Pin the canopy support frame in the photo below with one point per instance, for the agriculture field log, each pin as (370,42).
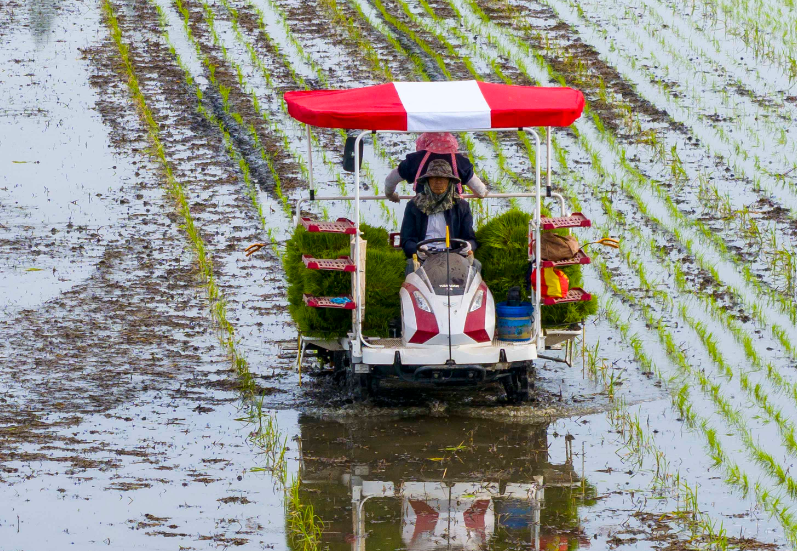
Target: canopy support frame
(357,342)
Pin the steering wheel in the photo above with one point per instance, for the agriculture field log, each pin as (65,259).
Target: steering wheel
(459,246)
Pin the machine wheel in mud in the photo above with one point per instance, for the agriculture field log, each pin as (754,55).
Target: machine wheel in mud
(362,385)
(519,385)
(340,366)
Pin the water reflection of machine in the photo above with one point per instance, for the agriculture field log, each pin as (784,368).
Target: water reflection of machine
(438,483)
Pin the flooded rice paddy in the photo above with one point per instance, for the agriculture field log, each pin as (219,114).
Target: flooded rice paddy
(149,397)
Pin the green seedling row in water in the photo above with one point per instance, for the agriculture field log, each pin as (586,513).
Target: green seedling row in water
(267,436)
(224,92)
(320,73)
(680,398)
(709,388)
(218,304)
(304,527)
(769,295)
(258,62)
(785,427)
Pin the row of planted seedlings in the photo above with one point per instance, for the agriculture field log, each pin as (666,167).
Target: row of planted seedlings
(280,140)
(687,238)
(750,129)
(176,190)
(708,528)
(257,66)
(304,527)
(755,391)
(767,28)
(303,524)
(267,433)
(758,454)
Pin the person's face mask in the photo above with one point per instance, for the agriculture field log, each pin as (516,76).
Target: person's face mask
(438,185)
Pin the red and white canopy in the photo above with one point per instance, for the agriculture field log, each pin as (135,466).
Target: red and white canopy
(436,106)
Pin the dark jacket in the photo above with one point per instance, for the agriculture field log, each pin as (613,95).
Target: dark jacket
(413,227)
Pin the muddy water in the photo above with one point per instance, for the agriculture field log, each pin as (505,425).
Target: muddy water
(440,483)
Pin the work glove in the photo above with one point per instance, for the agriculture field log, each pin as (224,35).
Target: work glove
(394,197)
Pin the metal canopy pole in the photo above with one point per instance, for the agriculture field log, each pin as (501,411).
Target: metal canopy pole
(538,247)
(548,164)
(356,351)
(310,163)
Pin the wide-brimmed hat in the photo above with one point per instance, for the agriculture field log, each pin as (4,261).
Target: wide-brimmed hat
(438,168)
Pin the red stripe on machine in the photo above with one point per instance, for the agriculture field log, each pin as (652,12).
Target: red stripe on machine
(425,322)
(476,320)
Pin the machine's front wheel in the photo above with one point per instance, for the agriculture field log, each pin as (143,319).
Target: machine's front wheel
(362,385)
(519,385)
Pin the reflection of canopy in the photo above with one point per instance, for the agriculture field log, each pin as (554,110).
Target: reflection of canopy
(436,106)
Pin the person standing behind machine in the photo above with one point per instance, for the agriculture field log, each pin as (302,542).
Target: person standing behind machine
(437,205)
(429,147)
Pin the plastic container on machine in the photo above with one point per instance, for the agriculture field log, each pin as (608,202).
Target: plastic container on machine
(514,323)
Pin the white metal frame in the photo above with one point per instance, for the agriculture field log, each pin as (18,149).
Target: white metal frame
(357,342)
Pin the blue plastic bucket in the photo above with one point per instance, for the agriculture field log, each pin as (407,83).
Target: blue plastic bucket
(514,323)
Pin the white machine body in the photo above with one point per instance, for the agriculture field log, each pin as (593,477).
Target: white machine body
(425,316)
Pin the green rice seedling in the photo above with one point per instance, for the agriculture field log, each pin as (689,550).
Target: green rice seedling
(304,527)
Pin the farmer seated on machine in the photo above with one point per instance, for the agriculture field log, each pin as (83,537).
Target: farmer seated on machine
(432,146)
(437,205)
